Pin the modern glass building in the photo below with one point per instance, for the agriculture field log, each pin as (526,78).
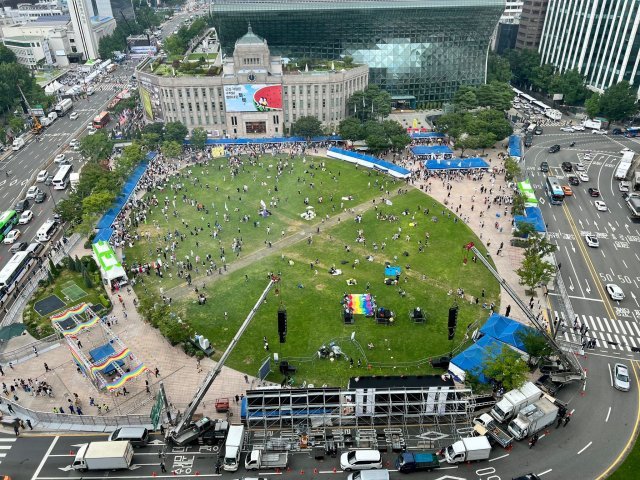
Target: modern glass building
(418,50)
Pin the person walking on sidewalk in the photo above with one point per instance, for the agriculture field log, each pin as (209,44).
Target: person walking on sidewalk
(533,441)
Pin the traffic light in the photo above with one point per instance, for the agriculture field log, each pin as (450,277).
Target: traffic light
(453,321)
(282,324)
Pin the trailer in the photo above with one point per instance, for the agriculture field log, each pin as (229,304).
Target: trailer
(487,426)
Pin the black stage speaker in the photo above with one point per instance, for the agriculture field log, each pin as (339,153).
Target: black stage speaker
(453,321)
(282,324)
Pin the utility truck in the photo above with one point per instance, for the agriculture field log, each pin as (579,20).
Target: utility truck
(103,456)
(515,400)
(468,449)
(486,425)
(63,107)
(534,418)
(259,459)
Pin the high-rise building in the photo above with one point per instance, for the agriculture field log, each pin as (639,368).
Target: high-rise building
(90,23)
(418,50)
(504,37)
(531,23)
(600,38)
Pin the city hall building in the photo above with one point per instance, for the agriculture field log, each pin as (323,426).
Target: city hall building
(250,92)
(420,51)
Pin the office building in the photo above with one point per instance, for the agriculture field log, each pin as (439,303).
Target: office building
(600,38)
(531,23)
(420,51)
(250,92)
(32,52)
(91,24)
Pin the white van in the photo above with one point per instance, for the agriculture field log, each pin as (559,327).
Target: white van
(233,447)
(46,231)
(369,475)
(360,460)
(17,144)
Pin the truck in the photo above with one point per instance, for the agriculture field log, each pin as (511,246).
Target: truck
(468,449)
(63,107)
(593,124)
(417,462)
(534,418)
(515,400)
(17,144)
(622,170)
(233,447)
(53,116)
(259,459)
(45,122)
(486,425)
(553,114)
(197,429)
(103,456)
(74,180)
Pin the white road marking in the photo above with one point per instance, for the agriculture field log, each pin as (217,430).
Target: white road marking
(586,446)
(608,413)
(610,375)
(545,472)
(498,458)
(44,458)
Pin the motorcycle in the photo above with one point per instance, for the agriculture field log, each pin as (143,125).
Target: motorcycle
(572,144)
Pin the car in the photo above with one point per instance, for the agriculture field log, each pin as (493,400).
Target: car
(567,167)
(92,131)
(587,157)
(74,116)
(59,158)
(600,206)
(621,379)
(554,148)
(40,197)
(49,180)
(25,217)
(583,177)
(579,167)
(12,236)
(566,189)
(73,143)
(594,192)
(616,131)
(32,192)
(599,132)
(614,291)
(624,186)
(42,176)
(578,128)
(592,241)
(573,180)
(544,167)
(568,129)
(21,206)
(625,150)
(528,476)
(361,460)
(18,247)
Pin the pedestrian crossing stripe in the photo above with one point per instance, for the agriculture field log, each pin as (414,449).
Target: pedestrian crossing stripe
(3,453)
(613,334)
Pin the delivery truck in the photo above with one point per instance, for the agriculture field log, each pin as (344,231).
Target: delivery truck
(417,462)
(63,107)
(534,418)
(468,449)
(486,425)
(259,459)
(233,447)
(17,144)
(515,400)
(103,456)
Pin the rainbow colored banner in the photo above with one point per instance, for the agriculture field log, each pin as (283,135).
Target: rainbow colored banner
(361,304)
(78,309)
(80,362)
(125,378)
(111,358)
(81,326)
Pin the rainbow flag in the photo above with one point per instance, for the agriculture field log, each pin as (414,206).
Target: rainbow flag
(140,369)
(361,304)
(111,358)
(78,309)
(81,326)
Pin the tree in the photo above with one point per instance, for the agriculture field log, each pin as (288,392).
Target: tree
(155,127)
(618,102)
(151,140)
(465,99)
(7,55)
(97,202)
(171,149)
(351,129)
(572,85)
(507,368)
(371,103)
(511,169)
(87,279)
(592,105)
(495,95)
(307,127)
(198,138)
(540,245)
(535,345)
(498,68)
(52,268)
(534,270)
(96,147)
(517,208)
(176,132)
(523,65)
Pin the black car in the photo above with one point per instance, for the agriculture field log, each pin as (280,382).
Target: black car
(18,247)
(594,192)
(538,130)
(544,167)
(40,197)
(554,148)
(22,205)
(567,167)
(573,180)
(616,131)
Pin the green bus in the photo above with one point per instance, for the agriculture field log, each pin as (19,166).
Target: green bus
(7,220)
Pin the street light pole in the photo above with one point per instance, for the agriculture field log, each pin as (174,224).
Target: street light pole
(55,205)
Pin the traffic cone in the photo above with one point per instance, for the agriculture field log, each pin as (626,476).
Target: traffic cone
(301,472)
(335,470)
(154,474)
(315,471)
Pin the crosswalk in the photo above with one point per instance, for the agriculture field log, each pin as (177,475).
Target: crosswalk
(5,446)
(610,334)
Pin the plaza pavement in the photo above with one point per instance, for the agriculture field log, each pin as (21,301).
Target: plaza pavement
(179,372)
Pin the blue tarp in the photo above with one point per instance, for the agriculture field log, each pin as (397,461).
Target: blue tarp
(473,358)
(392,271)
(376,163)
(104,225)
(505,330)
(532,215)
(456,164)
(100,353)
(431,150)
(249,141)
(427,135)
(515,146)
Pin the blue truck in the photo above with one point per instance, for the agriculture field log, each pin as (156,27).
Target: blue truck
(417,462)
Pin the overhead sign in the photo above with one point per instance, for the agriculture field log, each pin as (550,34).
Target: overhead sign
(252,98)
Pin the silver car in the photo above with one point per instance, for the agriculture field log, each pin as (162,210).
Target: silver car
(621,380)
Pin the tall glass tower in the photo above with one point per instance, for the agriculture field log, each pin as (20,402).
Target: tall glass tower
(419,49)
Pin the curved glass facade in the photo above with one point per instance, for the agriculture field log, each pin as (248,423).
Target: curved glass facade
(425,49)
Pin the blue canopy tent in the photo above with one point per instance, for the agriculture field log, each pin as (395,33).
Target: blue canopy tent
(473,358)
(427,135)
(432,152)
(505,330)
(369,162)
(532,215)
(456,164)
(515,146)
(254,141)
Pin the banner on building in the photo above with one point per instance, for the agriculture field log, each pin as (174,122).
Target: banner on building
(252,98)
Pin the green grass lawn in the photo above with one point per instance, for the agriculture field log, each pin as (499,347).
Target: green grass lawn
(313,300)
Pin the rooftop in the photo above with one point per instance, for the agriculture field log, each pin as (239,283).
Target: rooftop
(53,19)
(250,38)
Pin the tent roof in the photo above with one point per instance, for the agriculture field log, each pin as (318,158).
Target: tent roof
(505,330)
(456,164)
(473,358)
(430,149)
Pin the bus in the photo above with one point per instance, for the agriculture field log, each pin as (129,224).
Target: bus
(14,271)
(632,132)
(62,177)
(554,191)
(7,220)
(100,121)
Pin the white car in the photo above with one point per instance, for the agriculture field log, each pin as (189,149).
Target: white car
(92,131)
(583,177)
(587,156)
(74,116)
(32,192)
(621,379)
(599,132)
(42,176)
(614,291)
(578,167)
(73,143)
(11,237)
(567,129)
(592,241)
(59,158)
(600,206)
(26,217)
(578,128)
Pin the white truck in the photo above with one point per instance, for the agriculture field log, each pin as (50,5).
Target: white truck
(64,106)
(17,144)
(233,447)
(553,114)
(259,459)
(486,425)
(593,124)
(74,180)
(53,116)
(515,400)
(468,449)
(45,122)
(534,418)
(103,456)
